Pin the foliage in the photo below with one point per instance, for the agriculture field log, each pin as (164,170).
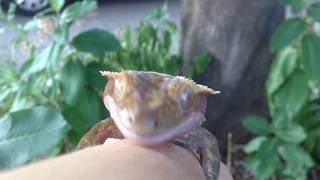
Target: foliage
(288,146)
(54,95)
(148,47)
(24,128)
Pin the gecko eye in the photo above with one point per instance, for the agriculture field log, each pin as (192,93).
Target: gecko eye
(184,100)
(119,88)
(109,87)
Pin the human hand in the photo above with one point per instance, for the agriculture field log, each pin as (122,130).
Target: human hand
(120,160)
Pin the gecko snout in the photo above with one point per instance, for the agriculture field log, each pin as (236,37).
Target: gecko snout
(144,124)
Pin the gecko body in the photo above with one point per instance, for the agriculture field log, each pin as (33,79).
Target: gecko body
(150,108)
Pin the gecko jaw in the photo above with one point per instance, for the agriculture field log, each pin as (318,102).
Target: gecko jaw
(193,120)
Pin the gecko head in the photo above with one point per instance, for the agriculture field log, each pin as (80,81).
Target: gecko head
(150,108)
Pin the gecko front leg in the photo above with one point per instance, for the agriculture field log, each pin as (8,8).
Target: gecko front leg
(204,145)
(99,133)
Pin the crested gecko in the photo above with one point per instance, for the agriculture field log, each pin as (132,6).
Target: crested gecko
(150,108)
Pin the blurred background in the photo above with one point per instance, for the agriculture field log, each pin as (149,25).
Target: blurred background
(262,55)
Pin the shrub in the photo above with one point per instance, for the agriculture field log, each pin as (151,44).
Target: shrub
(288,146)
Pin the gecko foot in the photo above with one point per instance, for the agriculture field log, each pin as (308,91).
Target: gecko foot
(204,145)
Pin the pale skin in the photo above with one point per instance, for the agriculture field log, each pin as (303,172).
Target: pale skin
(120,160)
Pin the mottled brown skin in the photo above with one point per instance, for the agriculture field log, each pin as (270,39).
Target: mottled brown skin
(149,108)
(99,133)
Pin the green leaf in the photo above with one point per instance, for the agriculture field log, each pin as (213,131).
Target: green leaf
(294,171)
(5,94)
(128,59)
(147,35)
(254,144)
(56,4)
(24,69)
(314,134)
(292,95)
(286,33)
(94,77)
(310,55)
(317,151)
(201,62)
(72,81)
(268,149)
(171,26)
(268,168)
(158,13)
(77,9)
(256,125)
(43,13)
(281,69)
(96,41)
(167,40)
(21,102)
(296,5)
(293,134)
(173,64)
(60,35)
(30,25)
(268,157)
(75,120)
(90,107)
(28,134)
(251,163)
(127,38)
(8,72)
(11,12)
(314,11)
(296,155)
(47,58)
(83,114)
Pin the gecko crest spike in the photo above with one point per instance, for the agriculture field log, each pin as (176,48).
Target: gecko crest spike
(199,88)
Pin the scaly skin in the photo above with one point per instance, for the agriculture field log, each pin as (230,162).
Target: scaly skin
(149,108)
